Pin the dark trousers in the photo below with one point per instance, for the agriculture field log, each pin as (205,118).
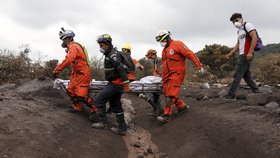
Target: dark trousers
(242,71)
(111,93)
(154,100)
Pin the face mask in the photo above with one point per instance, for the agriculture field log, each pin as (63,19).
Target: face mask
(102,50)
(237,24)
(163,44)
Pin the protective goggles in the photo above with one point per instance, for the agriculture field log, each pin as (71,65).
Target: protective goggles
(161,38)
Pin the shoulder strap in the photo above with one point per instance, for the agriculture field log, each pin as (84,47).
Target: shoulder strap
(84,51)
(246,30)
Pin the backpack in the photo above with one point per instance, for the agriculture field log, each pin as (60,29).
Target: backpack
(127,61)
(259,40)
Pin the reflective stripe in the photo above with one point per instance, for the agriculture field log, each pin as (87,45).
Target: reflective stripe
(138,65)
(109,69)
(127,81)
(113,55)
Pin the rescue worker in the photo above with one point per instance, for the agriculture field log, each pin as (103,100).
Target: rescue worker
(174,54)
(153,98)
(116,75)
(152,55)
(131,75)
(80,77)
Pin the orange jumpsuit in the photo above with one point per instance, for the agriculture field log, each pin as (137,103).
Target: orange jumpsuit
(156,69)
(174,70)
(80,77)
(131,75)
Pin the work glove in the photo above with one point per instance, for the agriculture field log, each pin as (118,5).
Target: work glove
(55,75)
(140,67)
(201,71)
(126,87)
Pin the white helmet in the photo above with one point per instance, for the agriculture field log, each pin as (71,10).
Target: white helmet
(161,35)
(65,33)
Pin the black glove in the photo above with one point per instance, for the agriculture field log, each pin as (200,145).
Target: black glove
(55,75)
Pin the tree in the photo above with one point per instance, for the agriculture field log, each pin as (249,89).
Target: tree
(15,65)
(214,56)
(97,68)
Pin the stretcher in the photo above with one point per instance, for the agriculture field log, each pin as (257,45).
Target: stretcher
(148,84)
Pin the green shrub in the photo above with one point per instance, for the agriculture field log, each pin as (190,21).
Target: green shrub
(267,68)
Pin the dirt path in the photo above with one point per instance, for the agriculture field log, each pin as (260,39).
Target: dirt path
(217,128)
(138,140)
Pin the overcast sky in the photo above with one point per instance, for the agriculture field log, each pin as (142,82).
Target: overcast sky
(195,22)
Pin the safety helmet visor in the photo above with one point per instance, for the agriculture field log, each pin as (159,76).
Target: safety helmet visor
(161,38)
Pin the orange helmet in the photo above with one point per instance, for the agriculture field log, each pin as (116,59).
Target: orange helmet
(150,53)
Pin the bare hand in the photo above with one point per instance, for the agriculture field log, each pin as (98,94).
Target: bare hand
(249,56)
(228,56)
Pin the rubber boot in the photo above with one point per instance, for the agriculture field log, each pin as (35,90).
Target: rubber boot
(159,108)
(183,110)
(75,108)
(102,118)
(181,106)
(93,117)
(151,100)
(122,128)
(109,110)
(164,118)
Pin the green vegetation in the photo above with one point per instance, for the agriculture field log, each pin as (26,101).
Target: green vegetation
(265,67)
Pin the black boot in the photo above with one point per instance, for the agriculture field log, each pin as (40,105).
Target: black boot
(151,100)
(183,110)
(164,118)
(93,117)
(122,129)
(154,100)
(102,118)
(109,110)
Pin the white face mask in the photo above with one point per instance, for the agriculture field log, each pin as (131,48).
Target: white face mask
(237,24)
(102,50)
(163,44)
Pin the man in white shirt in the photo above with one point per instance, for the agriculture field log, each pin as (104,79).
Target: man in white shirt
(246,43)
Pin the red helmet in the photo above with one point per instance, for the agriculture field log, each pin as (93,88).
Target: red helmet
(150,53)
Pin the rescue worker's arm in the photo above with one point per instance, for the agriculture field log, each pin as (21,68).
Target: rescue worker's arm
(137,64)
(187,53)
(70,57)
(235,49)
(118,66)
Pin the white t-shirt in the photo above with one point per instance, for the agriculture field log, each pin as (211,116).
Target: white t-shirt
(244,41)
